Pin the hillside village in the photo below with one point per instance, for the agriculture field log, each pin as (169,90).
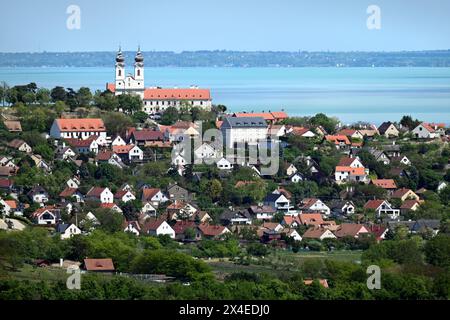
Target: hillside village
(72,170)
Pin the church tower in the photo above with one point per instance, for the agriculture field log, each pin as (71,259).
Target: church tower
(139,69)
(120,70)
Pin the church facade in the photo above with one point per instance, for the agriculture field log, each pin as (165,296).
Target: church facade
(155,99)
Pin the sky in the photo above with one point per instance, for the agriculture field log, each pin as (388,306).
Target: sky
(248,25)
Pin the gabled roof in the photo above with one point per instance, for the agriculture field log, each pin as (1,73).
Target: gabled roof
(122,149)
(148,135)
(336,139)
(80,124)
(95,192)
(244,122)
(5,183)
(262,209)
(13,125)
(16,143)
(152,224)
(99,264)
(350,229)
(149,193)
(80,143)
(385,183)
(384,126)
(310,218)
(180,226)
(104,155)
(346,161)
(373,204)
(315,233)
(68,192)
(211,230)
(401,192)
(353,171)
(409,204)
(347,132)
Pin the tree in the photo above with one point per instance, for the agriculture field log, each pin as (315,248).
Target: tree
(170,116)
(130,103)
(110,221)
(43,96)
(215,189)
(84,97)
(407,121)
(437,250)
(58,94)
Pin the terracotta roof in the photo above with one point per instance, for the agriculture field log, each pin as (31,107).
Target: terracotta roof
(322,282)
(376,230)
(211,230)
(299,131)
(310,219)
(99,264)
(353,171)
(314,233)
(111,87)
(270,225)
(123,149)
(80,143)
(338,138)
(80,124)
(180,226)
(68,192)
(11,203)
(108,205)
(409,204)
(16,143)
(120,193)
(218,124)
(308,202)
(95,192)
(152,224)
(279,115)
(104,155)
(373,204)
(176,94)
(346,161)
(149,193)
(385,183)
(401,192)
(5,183)
(347,132)
(289,220)
(148,135)
(350,229)
(243,183)
(41,210)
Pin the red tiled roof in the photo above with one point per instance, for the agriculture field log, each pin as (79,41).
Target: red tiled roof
(346,161)
(80,124)
(299,131)
(148,135)
(104,155)
(176,94)
(347,132)
(311,219)
(385,183)
(353,171)
(149,193)
(350,229)
(123,149)
(111,87)
(211,230)
(308,202)
(409,204)
(322,282)
(314,233)
(99,264)
(152,224)
(336,139)
(11,203)
(180,226)
(68,192)
(95,192)
(80,143)
(5,183)
(373,204)
(401,192)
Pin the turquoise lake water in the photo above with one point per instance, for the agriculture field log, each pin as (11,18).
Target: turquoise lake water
(352,94)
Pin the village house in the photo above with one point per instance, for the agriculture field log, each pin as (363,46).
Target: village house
(38,194)
(300,132)
(177,192)
(404,194)
(224,164)
(182,226)
(351,133)
(270,117)
(104,195)
(382,207)
(207,151)
(311,219)
(180,209)
(110,157)
(428,131)
(386,184)
(154,196)
(132,227)
(318,234)
(71,193)
(129,153)
(342,207)
(46,215)
(210,231)
(243,130)
(124,196)
(278,202)
(291,221)
(118,141)
(13,126)
(148,210)
(66,230)
(314,205)
(64,152)
(262,212)
(409,205)
(80,128)
(20,145)
(401,160)
(84,146)
(388,129)
(144,137)
(111,206)
(341,142)
(350,230)
(40,162)
(98,265)
(379,155)
(291,170)
(233,217)
(157,227)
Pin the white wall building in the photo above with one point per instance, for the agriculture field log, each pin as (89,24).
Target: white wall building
(243,130)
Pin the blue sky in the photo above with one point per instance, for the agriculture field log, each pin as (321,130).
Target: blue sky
(177,25)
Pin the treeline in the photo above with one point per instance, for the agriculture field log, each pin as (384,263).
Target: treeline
(224,58)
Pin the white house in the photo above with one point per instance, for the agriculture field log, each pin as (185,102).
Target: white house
(382,207)
(148,209)
(80,128)
(292,233)
(224,164)
(314,205)
(154,196)
(291,170)
(159,227)
(124,196)
(73,182)
(278,202)
(206,151)
(243,130)
(67,231)
(132,227)
(104,195)
(118,141)
(84,146)
(45,215)
(442,185)
(296,178)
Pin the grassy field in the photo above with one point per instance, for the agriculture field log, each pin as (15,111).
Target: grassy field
(280,261)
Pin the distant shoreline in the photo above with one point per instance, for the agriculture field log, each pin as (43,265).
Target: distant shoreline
(233,59)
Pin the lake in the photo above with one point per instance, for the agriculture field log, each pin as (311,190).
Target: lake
(352,94)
